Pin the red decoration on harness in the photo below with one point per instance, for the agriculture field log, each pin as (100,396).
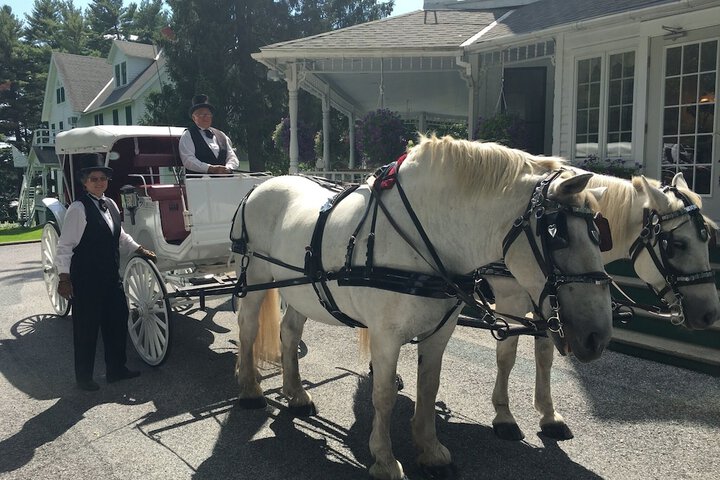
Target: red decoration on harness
(389,175)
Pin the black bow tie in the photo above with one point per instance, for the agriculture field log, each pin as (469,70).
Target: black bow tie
(209,134)
(103,205)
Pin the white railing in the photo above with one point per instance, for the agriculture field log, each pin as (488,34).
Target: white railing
(43,137)
(26,201)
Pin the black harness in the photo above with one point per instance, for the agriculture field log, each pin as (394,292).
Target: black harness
(466,288)
(651,235)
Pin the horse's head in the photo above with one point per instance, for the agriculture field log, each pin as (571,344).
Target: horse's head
(671,253)
(561,267)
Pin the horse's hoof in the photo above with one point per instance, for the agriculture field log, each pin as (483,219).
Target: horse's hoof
(399,382)
(252,403)
(308,410)
(557,431)
(508,431)
(436,472)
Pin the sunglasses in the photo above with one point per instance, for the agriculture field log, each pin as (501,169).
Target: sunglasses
(98,179)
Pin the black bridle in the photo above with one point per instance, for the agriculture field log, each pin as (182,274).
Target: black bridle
(551,228)
(652,235)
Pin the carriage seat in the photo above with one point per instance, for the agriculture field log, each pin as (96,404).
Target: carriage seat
(156,160)
(171,210)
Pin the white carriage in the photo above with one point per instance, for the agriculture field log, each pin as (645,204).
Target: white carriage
(185,218)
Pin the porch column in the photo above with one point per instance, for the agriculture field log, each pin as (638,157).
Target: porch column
(422,124)
(326,131)
(351,139)
(292,82)
(472,109)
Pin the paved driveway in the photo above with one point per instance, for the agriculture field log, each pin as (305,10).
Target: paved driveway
(632,419)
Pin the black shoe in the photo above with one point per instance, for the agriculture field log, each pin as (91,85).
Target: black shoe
(123,374)
(88,385)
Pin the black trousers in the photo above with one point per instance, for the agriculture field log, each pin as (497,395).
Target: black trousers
(97,307)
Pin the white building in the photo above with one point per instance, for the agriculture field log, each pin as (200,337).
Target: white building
(83,91)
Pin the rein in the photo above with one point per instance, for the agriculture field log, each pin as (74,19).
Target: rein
(651,235)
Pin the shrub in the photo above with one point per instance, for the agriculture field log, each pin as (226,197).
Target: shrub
(381,137)
(617,167)
(504,128)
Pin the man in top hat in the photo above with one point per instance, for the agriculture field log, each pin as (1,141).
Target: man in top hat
(88,257)
(204,149)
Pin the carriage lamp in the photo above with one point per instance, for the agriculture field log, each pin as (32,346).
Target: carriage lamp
(129,198)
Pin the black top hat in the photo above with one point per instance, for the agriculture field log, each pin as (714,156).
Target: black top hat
(200,101)
(93,163)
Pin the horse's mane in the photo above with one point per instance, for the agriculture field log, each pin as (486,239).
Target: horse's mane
(479,166)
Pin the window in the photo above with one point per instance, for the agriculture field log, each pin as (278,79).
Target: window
(689,87)
(62,126)
(121,74)
(60,95)
(128,115)
(99,119)
(604,106)
(116,117)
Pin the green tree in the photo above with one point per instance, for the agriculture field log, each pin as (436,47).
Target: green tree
(106,19)
(73,30)
(43,24)
(146,20)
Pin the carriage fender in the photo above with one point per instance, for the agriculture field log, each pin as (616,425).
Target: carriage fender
(58,210)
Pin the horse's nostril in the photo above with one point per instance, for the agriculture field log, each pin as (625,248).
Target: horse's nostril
(592,343)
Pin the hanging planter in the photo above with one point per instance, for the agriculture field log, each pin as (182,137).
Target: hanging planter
(381,137)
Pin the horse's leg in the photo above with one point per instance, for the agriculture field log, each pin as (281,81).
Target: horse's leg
(384,351)
(299,400)
(552,423)
(433,457)
(251,395)
(504,424)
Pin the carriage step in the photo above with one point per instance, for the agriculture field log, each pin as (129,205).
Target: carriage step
(666,350)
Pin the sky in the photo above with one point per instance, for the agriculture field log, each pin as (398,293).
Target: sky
(21,7)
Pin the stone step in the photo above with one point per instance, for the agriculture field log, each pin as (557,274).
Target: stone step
(666,350)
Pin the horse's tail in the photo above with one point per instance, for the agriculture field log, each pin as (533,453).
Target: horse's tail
(363,342)
(266,348)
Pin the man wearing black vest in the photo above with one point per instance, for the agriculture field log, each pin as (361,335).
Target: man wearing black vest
(204,149)
(88,256)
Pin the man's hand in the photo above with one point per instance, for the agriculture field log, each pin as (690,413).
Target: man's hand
(65,286)
(221,169)
(145,253)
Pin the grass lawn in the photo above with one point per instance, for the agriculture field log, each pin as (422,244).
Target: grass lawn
(20,234)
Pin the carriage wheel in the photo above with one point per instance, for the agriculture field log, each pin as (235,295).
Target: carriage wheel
(48,251)
(149,317)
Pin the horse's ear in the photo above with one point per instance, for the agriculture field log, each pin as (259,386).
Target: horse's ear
(678,181)
(656,197)
(570,186)
(597,192)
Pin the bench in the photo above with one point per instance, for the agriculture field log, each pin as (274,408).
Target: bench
(171,210)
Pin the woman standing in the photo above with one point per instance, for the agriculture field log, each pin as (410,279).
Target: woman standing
(88,260)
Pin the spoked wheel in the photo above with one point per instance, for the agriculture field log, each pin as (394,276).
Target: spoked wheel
(48,251)
(149,318)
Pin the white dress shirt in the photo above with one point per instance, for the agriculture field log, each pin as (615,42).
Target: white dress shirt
(191,162)
(74,227)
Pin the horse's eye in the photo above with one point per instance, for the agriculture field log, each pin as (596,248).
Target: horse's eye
(679,245)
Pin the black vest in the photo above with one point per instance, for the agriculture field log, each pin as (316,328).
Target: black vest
(96,259)
(202,150)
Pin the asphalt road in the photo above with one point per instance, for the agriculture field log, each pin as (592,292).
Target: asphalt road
(632,419)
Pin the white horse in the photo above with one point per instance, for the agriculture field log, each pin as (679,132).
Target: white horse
(677,234)
(465,197)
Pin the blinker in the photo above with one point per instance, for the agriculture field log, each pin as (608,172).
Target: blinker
(557,230)
(603,232)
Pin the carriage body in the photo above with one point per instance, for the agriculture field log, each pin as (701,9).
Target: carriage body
(185,218)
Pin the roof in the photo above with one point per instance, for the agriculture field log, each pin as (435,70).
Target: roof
(448,29)
(111,96)
(135,49)
(441,30)
(101,138)
(83,77)
(45,156)
(545,14)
